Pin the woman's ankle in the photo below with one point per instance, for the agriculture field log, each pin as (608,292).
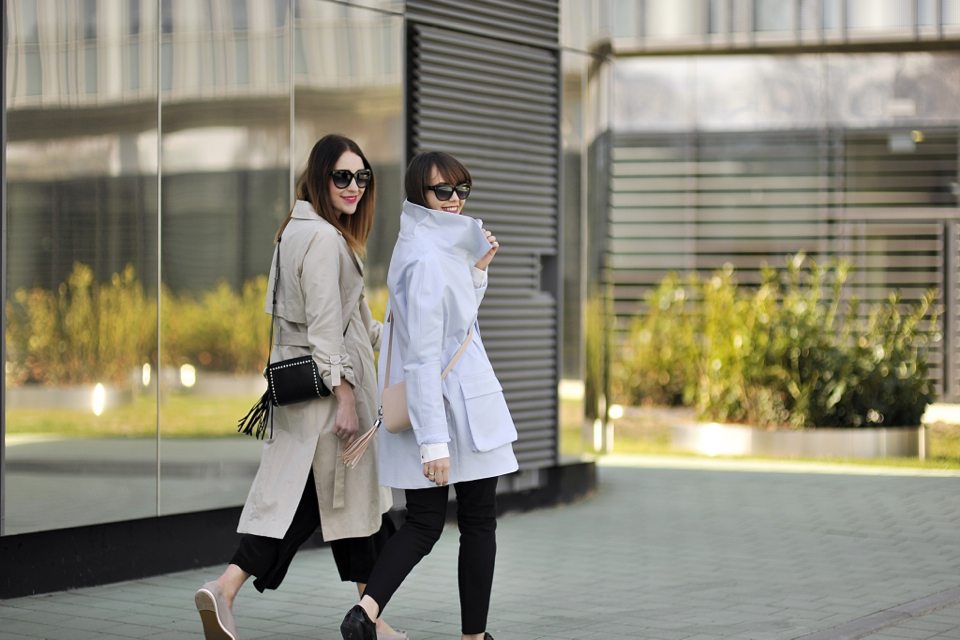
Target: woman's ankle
(370,605)
(231,581)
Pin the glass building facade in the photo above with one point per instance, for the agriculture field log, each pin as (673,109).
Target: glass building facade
(150,156)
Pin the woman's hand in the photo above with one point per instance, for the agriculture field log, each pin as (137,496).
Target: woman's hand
(347,425)
(483,262)
(438,471)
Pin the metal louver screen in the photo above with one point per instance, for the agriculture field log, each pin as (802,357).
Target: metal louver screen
(534,22)
(696,203)
(505,130)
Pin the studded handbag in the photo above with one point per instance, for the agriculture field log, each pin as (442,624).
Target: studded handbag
(288,381)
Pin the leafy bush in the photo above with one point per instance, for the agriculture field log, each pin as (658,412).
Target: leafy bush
(792,352)
(84,332)
(219,330)
(88,332)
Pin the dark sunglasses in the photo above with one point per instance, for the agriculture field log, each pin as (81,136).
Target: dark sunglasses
(342,178)
(444,191)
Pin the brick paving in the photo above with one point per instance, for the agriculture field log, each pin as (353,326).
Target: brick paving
(664,553)
(939,625)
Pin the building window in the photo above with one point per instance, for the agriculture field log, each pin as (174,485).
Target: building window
(90,48)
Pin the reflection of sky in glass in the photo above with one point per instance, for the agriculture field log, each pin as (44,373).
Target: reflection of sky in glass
(879,14)
(773,15)
(653,94)
(786,92)
(678,23)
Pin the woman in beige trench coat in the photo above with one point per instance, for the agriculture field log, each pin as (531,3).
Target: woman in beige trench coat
(302,484)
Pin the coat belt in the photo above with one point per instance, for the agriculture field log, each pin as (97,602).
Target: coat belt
(339,485)
(291,338)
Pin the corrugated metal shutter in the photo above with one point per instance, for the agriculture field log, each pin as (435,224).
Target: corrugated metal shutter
(505,128)
(697,202)
(532,22)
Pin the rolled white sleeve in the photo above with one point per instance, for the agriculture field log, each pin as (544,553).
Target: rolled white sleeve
(431,452)
(479,277)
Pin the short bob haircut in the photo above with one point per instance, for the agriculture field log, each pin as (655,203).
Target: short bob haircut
(417,180)
(314,187)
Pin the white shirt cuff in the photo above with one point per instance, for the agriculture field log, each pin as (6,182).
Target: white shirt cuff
(431,452)
(479,277)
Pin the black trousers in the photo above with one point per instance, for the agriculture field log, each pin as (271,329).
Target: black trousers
(269,558)
(426,513)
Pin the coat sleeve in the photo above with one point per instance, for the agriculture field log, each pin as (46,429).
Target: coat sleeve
(421,361)
(479,283)
(320,282)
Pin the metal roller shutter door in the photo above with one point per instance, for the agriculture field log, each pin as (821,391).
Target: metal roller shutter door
(532,22)
(505,129)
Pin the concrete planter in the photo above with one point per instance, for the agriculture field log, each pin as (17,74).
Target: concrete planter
(739,440)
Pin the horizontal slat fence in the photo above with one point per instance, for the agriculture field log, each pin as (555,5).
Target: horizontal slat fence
(697,202)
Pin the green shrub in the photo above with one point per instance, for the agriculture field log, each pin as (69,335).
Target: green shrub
(84,332)
(87,332)
(219,330)
(790,353)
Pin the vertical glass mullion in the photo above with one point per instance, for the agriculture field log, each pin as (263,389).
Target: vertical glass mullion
(7,42)
(159,81)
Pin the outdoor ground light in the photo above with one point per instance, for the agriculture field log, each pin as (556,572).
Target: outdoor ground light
(188,375)
(99,399)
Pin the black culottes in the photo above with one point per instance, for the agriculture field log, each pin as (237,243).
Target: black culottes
(269,558)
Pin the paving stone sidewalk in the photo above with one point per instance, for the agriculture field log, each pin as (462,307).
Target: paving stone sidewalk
(667,554)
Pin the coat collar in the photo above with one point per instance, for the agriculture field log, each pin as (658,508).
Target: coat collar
(303,210)
(448,232)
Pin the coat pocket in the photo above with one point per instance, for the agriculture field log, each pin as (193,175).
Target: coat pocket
(487,414)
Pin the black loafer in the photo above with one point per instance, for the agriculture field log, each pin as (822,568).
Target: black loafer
(357,625)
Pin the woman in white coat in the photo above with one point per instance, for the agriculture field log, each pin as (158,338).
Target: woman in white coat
(462,430)
(302,485)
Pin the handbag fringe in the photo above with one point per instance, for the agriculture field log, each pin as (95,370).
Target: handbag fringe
(255,422)
(352,454)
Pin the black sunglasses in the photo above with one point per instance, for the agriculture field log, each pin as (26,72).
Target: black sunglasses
(444,191)
(342,178)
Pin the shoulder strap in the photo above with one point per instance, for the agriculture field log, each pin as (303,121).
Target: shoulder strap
(273,309)
(456,356)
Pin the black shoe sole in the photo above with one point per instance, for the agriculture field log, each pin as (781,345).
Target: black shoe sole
(355,630)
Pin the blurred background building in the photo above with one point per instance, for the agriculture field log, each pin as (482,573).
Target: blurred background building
(151,148)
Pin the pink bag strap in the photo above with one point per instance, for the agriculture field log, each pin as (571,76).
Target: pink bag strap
(456,356)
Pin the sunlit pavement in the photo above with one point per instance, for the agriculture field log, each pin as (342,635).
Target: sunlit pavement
(768,552)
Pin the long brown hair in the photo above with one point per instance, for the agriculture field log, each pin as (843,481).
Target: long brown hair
(314,187)
(417,180)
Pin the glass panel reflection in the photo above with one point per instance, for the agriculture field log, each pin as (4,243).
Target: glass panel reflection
(225,154)
(81,307)
(349,80)
(574,132)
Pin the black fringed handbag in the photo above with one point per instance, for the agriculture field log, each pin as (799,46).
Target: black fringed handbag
(288,381)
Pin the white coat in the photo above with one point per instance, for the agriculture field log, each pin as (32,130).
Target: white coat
(320,294)
(434,304)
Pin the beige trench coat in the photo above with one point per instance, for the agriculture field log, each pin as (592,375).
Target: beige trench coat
(321,289)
